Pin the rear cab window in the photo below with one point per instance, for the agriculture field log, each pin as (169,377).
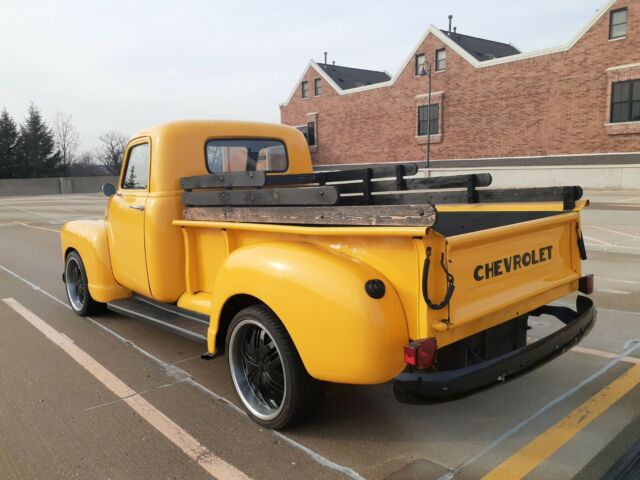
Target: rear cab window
(136,176)
(245,155)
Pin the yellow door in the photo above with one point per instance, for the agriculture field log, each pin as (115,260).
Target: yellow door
(126,220)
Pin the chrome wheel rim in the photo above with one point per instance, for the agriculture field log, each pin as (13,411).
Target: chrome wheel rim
(75,285)
(257,369)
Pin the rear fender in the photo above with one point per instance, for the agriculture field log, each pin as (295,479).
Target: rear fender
(89,239)
(341,333)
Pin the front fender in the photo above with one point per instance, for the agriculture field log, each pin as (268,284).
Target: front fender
(89,239)
(341,333)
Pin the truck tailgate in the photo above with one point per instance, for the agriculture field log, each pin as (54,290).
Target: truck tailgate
(507,271)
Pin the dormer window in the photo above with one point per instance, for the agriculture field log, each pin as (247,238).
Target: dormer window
(618,24)
(304,89)
(419,64)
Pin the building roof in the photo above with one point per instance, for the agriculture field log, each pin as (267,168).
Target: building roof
(456,46)
(482,49)
(347,77)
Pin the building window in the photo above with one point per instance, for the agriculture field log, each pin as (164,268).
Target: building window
(309,132)
(317,87)
(426,125)
(625,101)
(304,87)
(441,59)
(618,23)
(419,64)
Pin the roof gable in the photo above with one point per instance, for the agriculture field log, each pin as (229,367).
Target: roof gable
(469,42)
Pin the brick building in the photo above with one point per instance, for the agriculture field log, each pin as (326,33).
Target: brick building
(488,99)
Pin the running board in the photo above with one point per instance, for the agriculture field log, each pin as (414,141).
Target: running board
(186,323)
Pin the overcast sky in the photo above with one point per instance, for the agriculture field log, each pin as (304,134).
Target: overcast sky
(123,65)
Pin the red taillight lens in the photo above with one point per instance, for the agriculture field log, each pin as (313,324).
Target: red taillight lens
(421,353)
(586,284)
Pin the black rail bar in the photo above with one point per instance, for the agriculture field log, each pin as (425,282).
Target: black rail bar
(434,183)
(550,194)
(224,180)
(260,179)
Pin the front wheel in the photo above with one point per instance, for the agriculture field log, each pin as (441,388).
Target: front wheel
(77,287)
(266,370)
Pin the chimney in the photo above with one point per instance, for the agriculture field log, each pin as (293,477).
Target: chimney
(450,19)
(334,63)
(455,29)
(325,58)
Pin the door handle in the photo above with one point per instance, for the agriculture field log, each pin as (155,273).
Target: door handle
(137,207)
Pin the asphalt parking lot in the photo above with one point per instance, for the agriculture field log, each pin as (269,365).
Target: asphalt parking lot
(110,397)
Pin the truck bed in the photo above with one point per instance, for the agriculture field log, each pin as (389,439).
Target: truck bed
(388,195)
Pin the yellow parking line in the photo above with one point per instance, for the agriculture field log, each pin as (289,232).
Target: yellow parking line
(546,444)
(37,228)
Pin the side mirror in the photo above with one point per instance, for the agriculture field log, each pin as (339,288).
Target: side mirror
(108,189)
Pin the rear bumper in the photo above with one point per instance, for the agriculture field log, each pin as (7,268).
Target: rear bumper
(428,387)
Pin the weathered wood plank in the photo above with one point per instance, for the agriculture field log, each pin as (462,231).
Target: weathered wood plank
(327,195)
(365,215)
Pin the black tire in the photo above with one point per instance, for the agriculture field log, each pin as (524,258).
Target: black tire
(254,338)
(77,287)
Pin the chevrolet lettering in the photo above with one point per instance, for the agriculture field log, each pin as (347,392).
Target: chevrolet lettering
(512,263)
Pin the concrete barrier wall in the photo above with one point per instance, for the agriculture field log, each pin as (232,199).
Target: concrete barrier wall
(51,186)
(589,177)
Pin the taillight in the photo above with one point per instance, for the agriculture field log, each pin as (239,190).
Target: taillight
(586,284)
(421,353)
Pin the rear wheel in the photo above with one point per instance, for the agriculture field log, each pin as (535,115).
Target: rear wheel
(266,370)
(77,287)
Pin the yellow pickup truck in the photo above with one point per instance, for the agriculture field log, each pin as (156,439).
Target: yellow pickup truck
(223,232)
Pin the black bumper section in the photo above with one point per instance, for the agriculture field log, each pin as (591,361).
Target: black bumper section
(430,387)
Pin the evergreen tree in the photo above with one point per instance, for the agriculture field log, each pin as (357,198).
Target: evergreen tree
(37,155)
(8,141)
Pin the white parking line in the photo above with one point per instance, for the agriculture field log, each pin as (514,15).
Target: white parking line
(601,242)
(615,232)
(630,282)
(36,227)
(197,452)
(626,200)
(603,354)
(615,292)
(176,372)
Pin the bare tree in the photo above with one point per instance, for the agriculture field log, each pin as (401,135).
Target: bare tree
(67,139)
(111,151)
(85,166)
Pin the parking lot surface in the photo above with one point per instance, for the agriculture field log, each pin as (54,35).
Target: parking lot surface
(110,397)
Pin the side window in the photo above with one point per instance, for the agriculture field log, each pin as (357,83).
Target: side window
(136,176)
(243,155)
